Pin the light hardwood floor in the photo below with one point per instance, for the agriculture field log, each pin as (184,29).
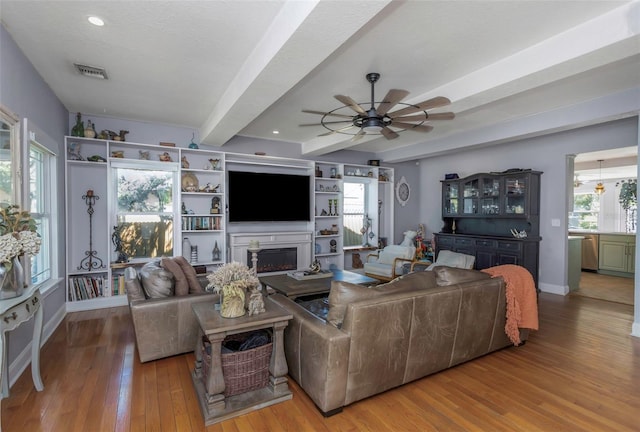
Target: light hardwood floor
(579,372)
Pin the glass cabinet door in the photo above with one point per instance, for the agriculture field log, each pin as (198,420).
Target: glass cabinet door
(515,195)
(450,199)
(490,196)
(470,197)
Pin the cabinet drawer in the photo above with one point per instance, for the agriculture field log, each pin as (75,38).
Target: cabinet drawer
(463,242)
(509,245)
(20,313)
(484,244)
(444,241)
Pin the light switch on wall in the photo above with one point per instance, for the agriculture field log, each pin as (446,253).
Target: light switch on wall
(555,222)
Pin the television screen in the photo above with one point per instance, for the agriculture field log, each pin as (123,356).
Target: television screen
(268,197)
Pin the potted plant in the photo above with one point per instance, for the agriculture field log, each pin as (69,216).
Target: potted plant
(18,237)
(232,281)
(628,199)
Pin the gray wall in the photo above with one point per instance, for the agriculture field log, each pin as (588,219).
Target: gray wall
(547,154)
(24,92)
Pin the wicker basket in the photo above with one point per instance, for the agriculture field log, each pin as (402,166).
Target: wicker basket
(243,371)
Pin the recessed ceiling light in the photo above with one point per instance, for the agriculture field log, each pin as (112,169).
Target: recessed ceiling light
(276,132)
(96,21)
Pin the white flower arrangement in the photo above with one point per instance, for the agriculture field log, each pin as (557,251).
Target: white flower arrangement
(230,277)
(18,234)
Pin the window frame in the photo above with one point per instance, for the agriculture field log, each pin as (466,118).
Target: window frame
(145,165)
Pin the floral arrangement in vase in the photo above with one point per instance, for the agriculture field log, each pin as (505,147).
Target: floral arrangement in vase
(232,281)
(18,234)
(18,237)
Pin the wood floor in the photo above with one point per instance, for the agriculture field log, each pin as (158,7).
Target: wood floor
(579,372)
(605,287)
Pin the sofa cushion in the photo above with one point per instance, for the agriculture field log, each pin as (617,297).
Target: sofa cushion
(343,293)
(446,275)
(157,282)
(190,273)
(181,283)
(453,259)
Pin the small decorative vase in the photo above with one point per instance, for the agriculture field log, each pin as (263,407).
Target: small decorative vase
(231,306)
(11,279)
(89,131)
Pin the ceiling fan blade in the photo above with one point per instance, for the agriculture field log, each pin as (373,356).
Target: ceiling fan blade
(327,113)
(390,100)
(409,126)
(350,103)
(422,106)
(359,135)
(320,124)
(331,132)
(422,117)
(388,133)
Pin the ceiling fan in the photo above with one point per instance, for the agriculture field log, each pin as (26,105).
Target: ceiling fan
(379,121)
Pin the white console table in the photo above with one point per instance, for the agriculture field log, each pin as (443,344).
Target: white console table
(14,312)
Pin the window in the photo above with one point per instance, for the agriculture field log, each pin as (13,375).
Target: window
(354,213)
(586,209)
(145,197)
(41,177)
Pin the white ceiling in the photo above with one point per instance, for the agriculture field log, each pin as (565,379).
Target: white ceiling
(249,67)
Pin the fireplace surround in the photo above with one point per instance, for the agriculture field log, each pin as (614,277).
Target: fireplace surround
(289,243)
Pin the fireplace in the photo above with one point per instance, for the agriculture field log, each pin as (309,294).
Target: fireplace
(280,252)
(275,260)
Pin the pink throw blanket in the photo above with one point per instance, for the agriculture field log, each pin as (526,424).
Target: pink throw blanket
(522,301)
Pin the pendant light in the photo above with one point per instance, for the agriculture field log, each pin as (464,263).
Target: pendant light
(600,187)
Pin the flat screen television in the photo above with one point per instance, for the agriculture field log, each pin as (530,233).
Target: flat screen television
(268,197)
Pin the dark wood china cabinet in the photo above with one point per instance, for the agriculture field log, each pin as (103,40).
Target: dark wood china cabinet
(482,212)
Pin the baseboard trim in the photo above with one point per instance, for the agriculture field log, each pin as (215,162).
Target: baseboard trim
(562,290)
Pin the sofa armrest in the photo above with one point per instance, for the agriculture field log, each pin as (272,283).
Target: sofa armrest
(166,326)
(373,255)
(317,356)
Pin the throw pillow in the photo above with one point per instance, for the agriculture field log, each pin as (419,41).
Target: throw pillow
(156,281)
(190,273)
(132,284)
(450,275)
(181,286)
(343,293)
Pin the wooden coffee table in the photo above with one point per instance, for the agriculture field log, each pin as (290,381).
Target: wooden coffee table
(290,287)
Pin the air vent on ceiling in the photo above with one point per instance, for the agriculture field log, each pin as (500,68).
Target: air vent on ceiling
(91,71)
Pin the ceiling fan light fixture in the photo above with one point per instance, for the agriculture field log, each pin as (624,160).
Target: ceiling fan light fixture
(372,125)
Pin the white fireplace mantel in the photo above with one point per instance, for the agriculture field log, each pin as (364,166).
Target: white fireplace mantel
(301,240)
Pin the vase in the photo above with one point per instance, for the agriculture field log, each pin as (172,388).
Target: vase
(231,306)
(11,279)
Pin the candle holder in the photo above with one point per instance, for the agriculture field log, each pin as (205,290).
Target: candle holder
(91,260)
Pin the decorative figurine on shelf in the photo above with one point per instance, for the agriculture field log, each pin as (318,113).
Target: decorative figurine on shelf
(116,239)
(89,131)
(214,163)
(117,154)
(193,145)
(165,157)
(73,151)
(96,158)
(215,254)
(215,205)
(78,129)
(333,246)
(184,162)
(144,155)
(183,209)
(122,136)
